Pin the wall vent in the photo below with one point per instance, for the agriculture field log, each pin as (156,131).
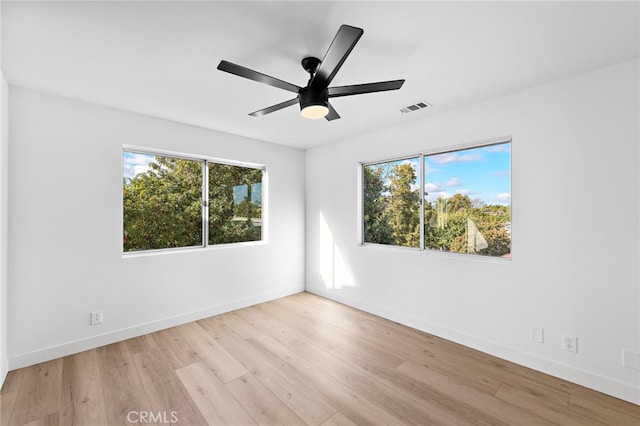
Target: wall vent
(415,107)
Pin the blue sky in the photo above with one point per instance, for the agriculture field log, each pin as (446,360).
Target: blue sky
(480,173)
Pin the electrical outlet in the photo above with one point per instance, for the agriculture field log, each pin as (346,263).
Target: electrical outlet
(570,343)
(536,334)
(96,318)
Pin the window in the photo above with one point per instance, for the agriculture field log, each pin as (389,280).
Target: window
(468,201)
(466,196)
(174,201)
(392,202)
(235,204)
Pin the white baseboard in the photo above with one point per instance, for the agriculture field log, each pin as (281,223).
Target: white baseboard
(603,384)
(3,374)
(46,354)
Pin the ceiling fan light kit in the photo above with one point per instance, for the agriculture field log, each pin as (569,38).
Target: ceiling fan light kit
(314,112)
(314,98)
(314,103)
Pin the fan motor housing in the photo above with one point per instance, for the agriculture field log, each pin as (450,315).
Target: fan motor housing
(309,96)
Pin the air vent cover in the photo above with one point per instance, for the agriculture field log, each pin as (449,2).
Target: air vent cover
(416,107)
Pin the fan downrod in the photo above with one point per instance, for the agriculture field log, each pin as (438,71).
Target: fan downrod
(311,64)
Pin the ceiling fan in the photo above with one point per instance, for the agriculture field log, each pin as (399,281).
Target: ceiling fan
(314,98)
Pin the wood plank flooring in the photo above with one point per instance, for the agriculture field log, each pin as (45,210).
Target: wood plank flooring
(299,360)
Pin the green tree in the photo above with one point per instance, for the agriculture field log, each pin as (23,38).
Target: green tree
(404,206)
(446,225)
(392,215)
(499,242)
(458,202)
(376,222)
(233,214)
(162,207)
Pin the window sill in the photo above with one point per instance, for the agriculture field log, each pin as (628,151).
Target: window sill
(200,249)
(430,252)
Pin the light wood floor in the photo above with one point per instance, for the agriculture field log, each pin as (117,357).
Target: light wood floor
(294,361)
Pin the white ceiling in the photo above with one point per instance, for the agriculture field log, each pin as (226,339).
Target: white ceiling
(160,58)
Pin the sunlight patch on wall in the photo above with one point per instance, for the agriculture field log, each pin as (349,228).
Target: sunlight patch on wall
(334,270)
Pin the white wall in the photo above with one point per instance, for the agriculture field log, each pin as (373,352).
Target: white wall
(4,146)
(65,215)
(4,143)
(575,189)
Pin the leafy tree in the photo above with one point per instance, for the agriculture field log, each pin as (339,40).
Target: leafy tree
(376,221)
(499,242)
(404,206)
(458,202)
(162,207)
(446,222)
(233,216)
(392,215)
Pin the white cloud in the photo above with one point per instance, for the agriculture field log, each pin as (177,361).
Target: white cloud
(431,187)
(428,168)
(499,148)
(500,173)
(504,197)
(433,192)
(135,164)
(454,181)
(453,157)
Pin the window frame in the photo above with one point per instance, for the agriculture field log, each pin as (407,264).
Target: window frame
(422,155)
(205,161)
(362,165)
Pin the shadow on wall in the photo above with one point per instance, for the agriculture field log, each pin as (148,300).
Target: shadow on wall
(334,270)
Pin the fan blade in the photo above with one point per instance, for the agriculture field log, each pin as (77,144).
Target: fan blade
(274,108)
(257,76)
(359,89)
(333,115)
(344,41)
